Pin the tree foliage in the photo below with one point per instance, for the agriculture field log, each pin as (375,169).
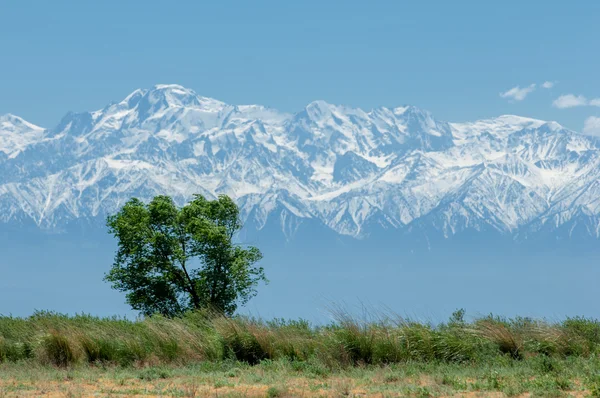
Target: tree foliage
(172,259)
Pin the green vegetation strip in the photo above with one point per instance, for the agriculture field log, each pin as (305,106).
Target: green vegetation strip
(490,353)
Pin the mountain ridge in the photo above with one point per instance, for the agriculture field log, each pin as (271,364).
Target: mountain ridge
(345,167)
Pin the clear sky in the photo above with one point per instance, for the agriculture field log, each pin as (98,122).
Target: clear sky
(453,58)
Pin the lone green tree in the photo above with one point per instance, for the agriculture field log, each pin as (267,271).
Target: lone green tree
(170,259)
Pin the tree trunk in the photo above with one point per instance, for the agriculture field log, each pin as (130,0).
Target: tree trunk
(192,288)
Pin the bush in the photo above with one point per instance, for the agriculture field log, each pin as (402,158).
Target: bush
(200,337)
(585,332)
(150,374)
(498,332)
(3,349)
(57,349)
(99,350)
(274,392)
(244,340)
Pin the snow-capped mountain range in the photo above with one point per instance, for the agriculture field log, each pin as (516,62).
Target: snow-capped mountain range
(349,169)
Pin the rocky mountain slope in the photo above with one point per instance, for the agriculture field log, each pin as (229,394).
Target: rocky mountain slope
(349,169)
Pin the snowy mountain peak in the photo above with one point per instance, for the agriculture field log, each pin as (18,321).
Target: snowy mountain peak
(351,171)
(319,110)
(13,122)
(551,127)
(162,98)
(16,134)
(132,99)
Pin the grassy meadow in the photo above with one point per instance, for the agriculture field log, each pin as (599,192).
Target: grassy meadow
(203,354)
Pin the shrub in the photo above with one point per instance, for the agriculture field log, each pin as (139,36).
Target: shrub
(499,333)
(244,340)
(274,392)
(357,341)
(209,338)
(57,349)
(99,349)
(150,374)
(3,349)
(585,331)
(418,342)
(455,345)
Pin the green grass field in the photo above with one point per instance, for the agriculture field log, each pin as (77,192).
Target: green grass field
(204,354)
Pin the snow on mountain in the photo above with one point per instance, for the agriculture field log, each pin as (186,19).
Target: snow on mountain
(345,167)
(16,133)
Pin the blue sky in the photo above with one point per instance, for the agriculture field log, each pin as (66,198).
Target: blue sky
(452,58)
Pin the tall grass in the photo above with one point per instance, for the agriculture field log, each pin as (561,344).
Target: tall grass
(65,341)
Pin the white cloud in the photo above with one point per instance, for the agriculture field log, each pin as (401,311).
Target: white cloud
(548,84)
(592,126)
(570,101)
(595,102)
(517,93)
